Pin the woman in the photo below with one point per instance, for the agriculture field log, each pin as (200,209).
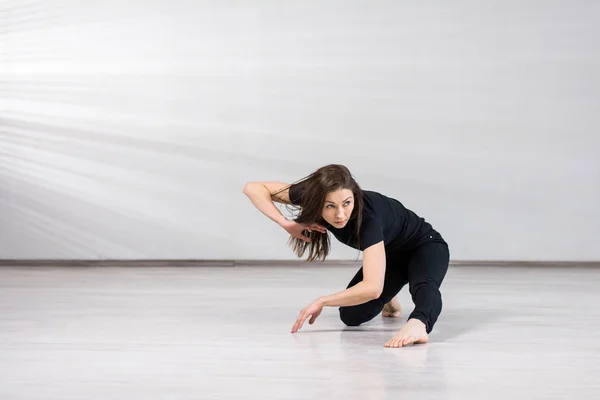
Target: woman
(398,248)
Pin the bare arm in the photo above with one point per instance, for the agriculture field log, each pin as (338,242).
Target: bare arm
(368,289)
(261,196)
(372,284)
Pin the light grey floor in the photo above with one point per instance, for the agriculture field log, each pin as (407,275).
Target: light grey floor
(224,333)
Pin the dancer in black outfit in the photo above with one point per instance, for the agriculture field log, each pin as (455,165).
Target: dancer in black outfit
(398,247)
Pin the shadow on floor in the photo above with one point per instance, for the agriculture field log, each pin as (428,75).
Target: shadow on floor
(451,324)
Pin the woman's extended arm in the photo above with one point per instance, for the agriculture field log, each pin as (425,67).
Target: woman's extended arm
(368,289)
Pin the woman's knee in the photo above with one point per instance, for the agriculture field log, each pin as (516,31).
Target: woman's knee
(350,316)
(357,315)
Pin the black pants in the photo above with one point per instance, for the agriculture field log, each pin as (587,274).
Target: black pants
(423,269)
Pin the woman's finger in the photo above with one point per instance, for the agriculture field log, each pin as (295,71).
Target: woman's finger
(297,325)
(318,228)
(301,321)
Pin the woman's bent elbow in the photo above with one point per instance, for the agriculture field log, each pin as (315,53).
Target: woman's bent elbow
(247,188)
(375,292)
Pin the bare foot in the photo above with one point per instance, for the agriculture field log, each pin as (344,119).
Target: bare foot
(392,309)
(412,332)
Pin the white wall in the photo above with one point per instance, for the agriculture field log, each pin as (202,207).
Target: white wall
(128,131)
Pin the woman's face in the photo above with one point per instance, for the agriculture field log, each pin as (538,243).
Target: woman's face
(338,207)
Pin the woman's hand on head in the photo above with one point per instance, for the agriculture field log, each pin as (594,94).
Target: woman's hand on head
(296,230)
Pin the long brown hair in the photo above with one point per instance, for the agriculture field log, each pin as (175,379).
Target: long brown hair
(315,188)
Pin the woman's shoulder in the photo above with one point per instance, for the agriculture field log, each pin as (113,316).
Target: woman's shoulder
(372,199)
(376,198)
(379,205)
(371,194)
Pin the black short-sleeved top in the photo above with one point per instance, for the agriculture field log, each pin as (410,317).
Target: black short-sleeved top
(383,219)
